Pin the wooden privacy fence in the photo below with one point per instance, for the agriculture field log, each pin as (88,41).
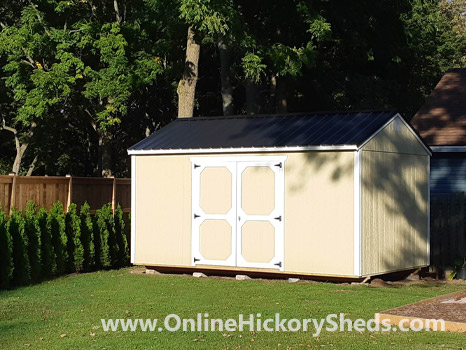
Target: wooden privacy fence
(447,229)
(16,191)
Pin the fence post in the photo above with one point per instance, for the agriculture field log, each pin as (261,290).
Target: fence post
(70,192)
(13,192)
(114,195)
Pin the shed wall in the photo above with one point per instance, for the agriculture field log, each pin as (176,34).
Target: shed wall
(318,211)
(394,180)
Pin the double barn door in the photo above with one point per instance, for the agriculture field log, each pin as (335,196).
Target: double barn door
(237,217)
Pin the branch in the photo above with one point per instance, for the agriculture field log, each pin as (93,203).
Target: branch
(8,128)
(39,18)
(32,166)
(117,11)
(29,58)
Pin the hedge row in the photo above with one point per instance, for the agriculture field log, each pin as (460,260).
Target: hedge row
(40,244)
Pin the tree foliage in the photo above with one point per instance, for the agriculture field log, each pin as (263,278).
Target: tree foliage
(81,81)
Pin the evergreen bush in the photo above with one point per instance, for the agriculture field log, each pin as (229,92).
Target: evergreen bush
(102,222)
(56,223)
(6,258)
(32,231)
(73,235)
(21,268)
(120,235)
(87,237)
(49,266)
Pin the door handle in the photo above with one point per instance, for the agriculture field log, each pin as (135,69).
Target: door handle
(279,218)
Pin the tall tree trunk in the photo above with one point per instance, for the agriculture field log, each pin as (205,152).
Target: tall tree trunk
(282,102)
(187,85)
(20,150)
(32,166)
(271,108)
(251,97)
(105,154)
(227,89)
(20,147)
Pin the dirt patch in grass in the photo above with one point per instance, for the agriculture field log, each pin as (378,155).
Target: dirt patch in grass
(450,307)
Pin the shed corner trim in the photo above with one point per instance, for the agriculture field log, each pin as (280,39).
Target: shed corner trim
(357,232)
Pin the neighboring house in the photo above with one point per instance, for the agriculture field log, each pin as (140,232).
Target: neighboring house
(441,122)
(332,194)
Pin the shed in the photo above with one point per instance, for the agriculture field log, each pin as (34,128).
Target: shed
(441,122)
(330,194)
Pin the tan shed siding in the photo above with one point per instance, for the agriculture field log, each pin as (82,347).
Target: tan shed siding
(318,211)
(394,211)
(391,140)
(163,202)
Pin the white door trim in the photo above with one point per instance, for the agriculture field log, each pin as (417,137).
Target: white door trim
(199,216)
(278,167)
(277,164)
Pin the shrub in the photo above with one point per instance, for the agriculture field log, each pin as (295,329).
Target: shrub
(73,235)
(6,259)
(120,236)
(56,223)
(32,231)
(21,267)
(49,266)
(102,223)
(87,237)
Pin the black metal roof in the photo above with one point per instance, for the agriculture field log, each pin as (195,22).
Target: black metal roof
(312,129)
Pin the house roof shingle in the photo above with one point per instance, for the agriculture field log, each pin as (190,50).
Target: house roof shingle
(441,121)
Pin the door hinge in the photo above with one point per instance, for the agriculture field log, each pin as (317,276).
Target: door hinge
(279,218)
(279,165)
(196,216)
(279,264)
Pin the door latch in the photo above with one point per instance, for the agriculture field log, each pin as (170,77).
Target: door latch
(279,165)
(196,166)
(196,216)
(279,218)
(196,259)
(279,264)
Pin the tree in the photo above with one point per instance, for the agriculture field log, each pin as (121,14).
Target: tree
(71,60)
(205,18)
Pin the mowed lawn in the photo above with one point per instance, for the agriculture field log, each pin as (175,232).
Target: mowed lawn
(39,317)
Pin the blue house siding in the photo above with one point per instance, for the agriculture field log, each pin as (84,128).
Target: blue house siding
(447,173)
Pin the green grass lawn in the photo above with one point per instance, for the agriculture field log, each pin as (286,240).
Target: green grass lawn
(35,317)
